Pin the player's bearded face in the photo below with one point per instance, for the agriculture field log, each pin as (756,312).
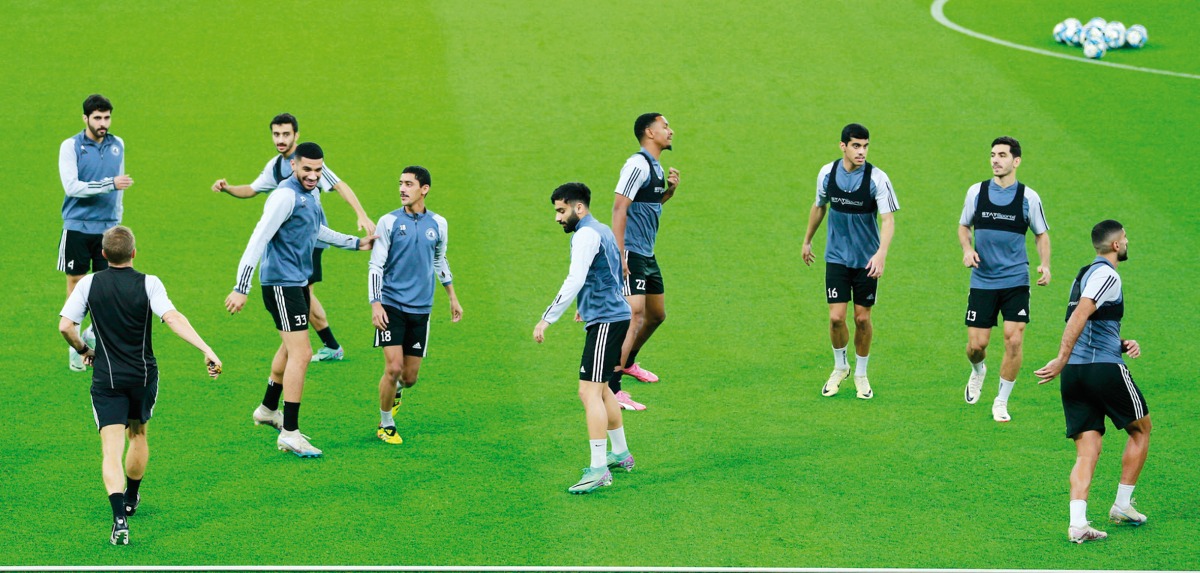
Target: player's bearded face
(1123,249)
(284,137)
(566,216)
(98,122)
(308,171)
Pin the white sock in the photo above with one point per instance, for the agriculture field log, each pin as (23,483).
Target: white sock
(977,367)
(839,359)
(599,457)
(860,365)
(1124,495)
(617,437)
(385,418)
(1078,512)
(1006,387)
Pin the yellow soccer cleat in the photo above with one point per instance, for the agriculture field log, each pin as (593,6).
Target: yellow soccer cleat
(389,435)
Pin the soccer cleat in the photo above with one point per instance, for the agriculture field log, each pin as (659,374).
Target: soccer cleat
(326,354)
(396,402)
(627,403)
(834,383)
(1128,515)
(863,386)
(1084,534)
(389,435)
(623,461)
(131,508)
(296,443)
(640,373)
(1000,411)
(75,361)
(592,479)
(975,385)
(120,532)
(265,417)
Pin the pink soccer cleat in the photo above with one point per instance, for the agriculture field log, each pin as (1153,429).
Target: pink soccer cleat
(641,374)
(627,403)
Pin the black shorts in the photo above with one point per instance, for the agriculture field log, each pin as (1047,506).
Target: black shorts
(1092,391)
(842,283)
(404,329)
(119,405)
(644,275)
(315,277)
(288,306)
(602,351)
(77,251)
(984,305)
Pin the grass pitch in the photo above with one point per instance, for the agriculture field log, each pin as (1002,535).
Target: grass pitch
(740,461)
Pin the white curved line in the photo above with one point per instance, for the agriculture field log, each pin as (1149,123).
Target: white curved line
(940,16)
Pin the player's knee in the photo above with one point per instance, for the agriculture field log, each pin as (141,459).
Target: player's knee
(836,321)
(408,380)
(656,318)
(862,321)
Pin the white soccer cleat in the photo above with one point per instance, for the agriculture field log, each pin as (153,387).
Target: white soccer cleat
(834,383)
(1084,534)
(975,385)
(1000,411)
(863,386)
(75,361)
(265,417)
(1127,515)
(296,443)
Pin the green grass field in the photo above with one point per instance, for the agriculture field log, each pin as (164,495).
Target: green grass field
(741,462)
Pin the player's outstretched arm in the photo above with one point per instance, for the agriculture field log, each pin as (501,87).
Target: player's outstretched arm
(1043,248)
(815,216)
(1070,335)
(239,191)
(178,323)
(347,194)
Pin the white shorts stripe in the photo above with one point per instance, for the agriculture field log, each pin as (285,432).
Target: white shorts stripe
(62,252)
(601,346)
(1139,408)
(285,321)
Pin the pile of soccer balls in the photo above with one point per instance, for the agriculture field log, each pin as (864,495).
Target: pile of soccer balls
(1098,36)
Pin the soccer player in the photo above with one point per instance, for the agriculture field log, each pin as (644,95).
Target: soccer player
(1001,210)
(642,189)
(290,227)
(125,373)
(408,255)
(1096,383)
(284,132)
(92,167)
(855,252)
(594,280)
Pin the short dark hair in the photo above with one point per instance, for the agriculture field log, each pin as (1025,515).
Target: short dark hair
(572,193)
(643,122)
(855,131)
(421,174)
(309,150)
(96,102)
(118,245)
(1014,146)
(285,118)
(1104,233)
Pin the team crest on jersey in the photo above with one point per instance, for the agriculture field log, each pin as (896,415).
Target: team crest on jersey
(431,234)
(116,151)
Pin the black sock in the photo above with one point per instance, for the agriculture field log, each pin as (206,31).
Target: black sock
(117,501)
(632,359)
(326,335)
(291,416)
(614,382)
(271,398)
(131,487)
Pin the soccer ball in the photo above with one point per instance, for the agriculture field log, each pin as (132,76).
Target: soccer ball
(1094,49)
(1097,21)
(1059,28)
(1136,36)
(1093,33)
(1072,32)
(1114,35)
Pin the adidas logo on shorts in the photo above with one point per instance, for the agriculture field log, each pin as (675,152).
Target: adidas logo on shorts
(1022,313)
